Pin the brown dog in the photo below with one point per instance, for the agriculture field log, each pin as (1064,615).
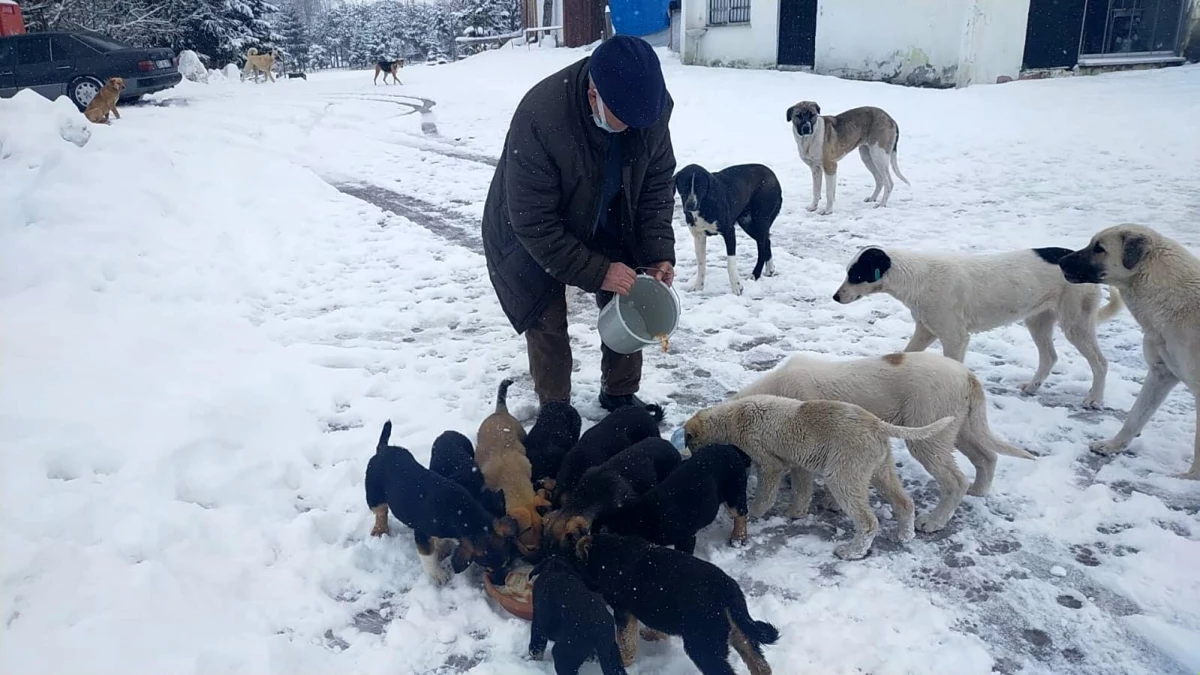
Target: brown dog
(258,63)
(388,68)
(105,102)
(500,454)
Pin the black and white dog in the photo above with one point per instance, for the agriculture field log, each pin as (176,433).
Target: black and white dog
(746,194)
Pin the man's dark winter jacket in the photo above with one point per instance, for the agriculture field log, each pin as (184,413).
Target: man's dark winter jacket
(544,198)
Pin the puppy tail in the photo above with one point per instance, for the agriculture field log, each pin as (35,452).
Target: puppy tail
(502,396)
(759,632)
(895,148)
(385,436)
(916,433)
(610,660)
(656,411)
(975,431)
(1115,304)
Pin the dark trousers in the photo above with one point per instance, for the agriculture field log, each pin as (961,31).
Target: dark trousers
(550,356)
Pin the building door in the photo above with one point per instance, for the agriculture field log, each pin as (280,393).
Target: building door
(1115,29)
(797,32)
(1052,34)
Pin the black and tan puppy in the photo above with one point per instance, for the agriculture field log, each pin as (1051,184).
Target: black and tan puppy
(686,501)
(554,433)
(674,593)
(453,457)
(621,429)
(435,508)
(574,617)
(713,203)
(634,471)
(388,68)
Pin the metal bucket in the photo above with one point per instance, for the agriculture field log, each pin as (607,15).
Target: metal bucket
(628,324)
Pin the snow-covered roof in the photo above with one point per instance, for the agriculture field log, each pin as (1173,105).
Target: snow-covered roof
(8,2)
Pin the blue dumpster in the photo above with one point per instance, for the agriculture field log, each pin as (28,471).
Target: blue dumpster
(639,17)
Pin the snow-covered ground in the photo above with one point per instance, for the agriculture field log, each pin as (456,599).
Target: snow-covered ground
(209,309)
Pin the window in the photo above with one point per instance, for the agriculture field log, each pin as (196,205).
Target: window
(102,43)
(727,12)
(33,50)
(67,48)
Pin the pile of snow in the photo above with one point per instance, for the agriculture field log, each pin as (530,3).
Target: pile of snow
(33,129)
(191,67)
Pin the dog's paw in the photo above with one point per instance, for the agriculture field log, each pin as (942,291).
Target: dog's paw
(1109,447)
(869,199)
(736,288)
(769,268)
(1093,402)
(379,530)
(696,287)
(927,523)
(441,576)
(825,211)
(880,205)
(850,551)
(811,207)
(537,656)
(1030,388)
(906,534)
(1189,475)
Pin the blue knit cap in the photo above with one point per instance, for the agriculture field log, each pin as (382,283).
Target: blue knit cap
(629,79)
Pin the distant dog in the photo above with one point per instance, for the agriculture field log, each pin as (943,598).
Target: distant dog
(501,458)
(453,457)
(297,76)
(574,617)
(686,501)
(671,592)
(909,389)
(823,140)
(1160,279)
(747,194)
(952,295)
(844,443)
(619,430)
(388,68)
(435,508)
(630,473)
(554,433)
(259,63)
(105,102)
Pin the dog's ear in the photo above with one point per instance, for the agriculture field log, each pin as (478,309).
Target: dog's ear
(817,108)
(583,547)
(791,112)
(1133,249)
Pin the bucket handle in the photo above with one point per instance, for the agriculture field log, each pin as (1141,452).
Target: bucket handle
(642,271)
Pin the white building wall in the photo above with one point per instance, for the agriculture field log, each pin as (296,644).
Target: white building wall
(994,43)
(753,45)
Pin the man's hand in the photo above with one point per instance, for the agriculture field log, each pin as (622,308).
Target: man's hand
(618,279)
(663,271)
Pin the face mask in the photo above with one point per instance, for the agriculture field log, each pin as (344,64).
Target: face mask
(599,118)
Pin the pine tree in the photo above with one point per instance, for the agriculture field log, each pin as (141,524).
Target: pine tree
(295,42)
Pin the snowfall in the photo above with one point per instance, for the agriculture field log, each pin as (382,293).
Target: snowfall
(209,308)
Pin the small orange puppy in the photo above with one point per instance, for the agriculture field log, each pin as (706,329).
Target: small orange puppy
(105,102)
(500,454)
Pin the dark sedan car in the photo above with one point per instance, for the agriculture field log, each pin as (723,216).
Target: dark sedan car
(78,64)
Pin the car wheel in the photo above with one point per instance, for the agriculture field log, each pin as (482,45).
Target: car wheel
(82,90)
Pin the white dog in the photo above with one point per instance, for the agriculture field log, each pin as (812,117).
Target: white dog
(911,390)
(1160,279)
(843,443)
(952,296)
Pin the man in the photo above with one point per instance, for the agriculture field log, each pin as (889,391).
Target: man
(583,196)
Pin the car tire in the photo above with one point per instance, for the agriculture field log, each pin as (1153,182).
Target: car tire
(82,90)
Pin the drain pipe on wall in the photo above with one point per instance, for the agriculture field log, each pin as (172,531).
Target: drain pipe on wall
(692,41)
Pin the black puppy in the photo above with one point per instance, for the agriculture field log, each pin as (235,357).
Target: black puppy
(634,471)
(619,430)
(453,457)
(294,76)
(574,617)
(554,433)
(746,194)
(686,501)
(671,592)
(435,507)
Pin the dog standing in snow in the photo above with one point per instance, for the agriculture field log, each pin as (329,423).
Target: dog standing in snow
(1160,279)
(952,296)
(823,140)
(907,389)
(841,442)
(258,63)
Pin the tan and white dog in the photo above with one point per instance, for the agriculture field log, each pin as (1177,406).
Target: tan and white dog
(258,63)
(841,442)
(1160,282)
(823,140)
(911,390)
